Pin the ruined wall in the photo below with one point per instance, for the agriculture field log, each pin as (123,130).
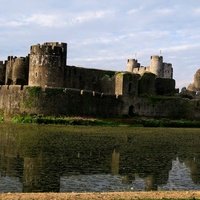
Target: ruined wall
(17,70)
(57,101)
(150,85)
(9,67)
(89,79)
(195,86)
(197,80)
(20,71)
(170,107)
(141,70)
(147,84)
(47,64)
(165,86)
(2,72)
(119,83)
(107,84)
(131,65)
(126,84)
(167,71)
(70,102)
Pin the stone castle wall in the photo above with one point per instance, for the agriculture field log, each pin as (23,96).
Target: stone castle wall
(126,83)
(158,106)
(89,79)
(71,102)
(57,101)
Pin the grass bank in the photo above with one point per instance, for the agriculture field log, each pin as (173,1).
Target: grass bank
(124,121)
(63,120)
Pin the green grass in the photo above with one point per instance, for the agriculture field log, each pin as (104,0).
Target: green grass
(135,122)
(62,120)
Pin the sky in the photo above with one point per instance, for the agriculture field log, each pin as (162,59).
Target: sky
(105,33)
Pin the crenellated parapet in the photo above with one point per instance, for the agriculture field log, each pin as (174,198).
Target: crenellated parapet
(49,48)
(132,64)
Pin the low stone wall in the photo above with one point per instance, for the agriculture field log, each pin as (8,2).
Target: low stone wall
(57,101)
(161,106)
(71,102)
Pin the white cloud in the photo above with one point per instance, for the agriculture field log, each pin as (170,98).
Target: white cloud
(126,37)
(46,20)
(90,16)
(11,23)
(56,20)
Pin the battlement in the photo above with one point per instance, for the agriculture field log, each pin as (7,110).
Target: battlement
(49,48)
(46,50)
(156,57)
(131,64)
(58,44)
(130,60)
(61,90)
(17,59)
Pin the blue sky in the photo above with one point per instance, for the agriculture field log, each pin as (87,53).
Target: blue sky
(105,33)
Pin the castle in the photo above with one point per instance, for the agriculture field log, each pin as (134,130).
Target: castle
(43,83)
(45,66)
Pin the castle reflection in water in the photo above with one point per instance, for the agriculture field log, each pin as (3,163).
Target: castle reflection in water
(42,160)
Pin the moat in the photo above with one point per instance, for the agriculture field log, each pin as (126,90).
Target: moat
(39,158)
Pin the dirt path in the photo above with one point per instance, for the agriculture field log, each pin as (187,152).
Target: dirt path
(99,196)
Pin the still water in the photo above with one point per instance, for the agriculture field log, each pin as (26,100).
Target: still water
(78,159)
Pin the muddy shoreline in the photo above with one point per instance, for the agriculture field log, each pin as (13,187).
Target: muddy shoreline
(107,196)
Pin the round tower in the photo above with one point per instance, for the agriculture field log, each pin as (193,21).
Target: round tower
(9,67)
(156,65)
(20,71)
(2,73)
(46,64)
(131,64)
